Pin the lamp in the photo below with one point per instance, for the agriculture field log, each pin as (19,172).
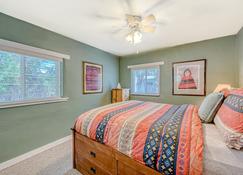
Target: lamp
(221,87)
(134,37)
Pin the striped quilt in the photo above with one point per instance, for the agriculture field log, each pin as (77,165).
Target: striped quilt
(167,138)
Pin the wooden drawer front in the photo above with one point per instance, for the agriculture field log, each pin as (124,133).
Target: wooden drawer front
(123,169)
(128,166)
(96,153)
(113,96)
(88,168)
(119,95)
(116,95)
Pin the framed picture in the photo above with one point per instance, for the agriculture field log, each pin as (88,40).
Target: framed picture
(92,78)
(189,78)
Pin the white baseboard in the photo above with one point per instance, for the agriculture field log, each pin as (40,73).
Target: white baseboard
(34,152)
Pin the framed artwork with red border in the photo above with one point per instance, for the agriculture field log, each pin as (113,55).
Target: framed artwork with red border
(92,78)
(189,78)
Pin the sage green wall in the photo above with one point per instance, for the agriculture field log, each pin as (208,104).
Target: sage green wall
(25,128)
(240,55)
(221,67)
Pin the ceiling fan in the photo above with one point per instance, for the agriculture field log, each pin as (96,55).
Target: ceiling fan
(138,25)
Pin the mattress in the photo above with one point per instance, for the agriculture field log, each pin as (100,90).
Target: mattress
(218,158)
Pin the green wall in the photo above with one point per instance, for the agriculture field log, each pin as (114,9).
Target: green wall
(240,56)
(221,67)
(25,128)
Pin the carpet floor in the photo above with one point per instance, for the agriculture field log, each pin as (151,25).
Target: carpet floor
(55,161)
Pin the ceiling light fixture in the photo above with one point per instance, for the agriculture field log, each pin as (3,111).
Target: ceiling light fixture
(134,37)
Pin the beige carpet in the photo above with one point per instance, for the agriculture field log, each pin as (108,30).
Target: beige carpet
(72,172)
(55,161)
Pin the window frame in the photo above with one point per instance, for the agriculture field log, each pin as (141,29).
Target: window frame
(145,67)
(22,49)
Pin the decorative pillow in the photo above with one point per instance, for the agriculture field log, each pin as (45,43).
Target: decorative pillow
(225,92)
(229,119)
(210,106)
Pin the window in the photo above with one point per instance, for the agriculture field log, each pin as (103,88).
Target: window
(27,77)
(145,80)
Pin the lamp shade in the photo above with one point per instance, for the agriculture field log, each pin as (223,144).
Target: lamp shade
(221,87)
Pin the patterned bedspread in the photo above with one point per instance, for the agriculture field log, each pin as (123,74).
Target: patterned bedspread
(167,138)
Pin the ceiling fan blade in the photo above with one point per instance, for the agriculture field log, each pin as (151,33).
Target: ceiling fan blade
(107,17)
(148,20)
(163,23)
(148,29)
(129,6)
(154,6)
(118,29)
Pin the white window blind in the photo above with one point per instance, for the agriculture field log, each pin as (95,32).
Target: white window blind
(29,74)
(145,80)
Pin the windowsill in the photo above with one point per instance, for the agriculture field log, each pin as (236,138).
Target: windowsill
(33,102)
(153,95)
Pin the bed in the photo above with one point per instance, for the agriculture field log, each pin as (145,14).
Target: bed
(139,138)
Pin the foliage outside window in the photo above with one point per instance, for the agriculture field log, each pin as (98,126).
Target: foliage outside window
(145,80)
(27,78)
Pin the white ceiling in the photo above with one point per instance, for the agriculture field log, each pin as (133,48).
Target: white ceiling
(181,21)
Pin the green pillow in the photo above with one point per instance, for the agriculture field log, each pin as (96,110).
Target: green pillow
(210,106)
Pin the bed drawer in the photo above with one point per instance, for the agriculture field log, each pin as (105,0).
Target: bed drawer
(124,169)
(88,168)
(100,155)
(128,166)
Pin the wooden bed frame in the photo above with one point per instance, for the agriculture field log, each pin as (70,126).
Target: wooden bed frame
(93,158)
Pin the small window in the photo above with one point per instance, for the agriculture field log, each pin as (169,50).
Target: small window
(28,78)
(145,80)
(29,75)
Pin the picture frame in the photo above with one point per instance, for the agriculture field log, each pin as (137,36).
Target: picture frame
(189,78)
(92,78)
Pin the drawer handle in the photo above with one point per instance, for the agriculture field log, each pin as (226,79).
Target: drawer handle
(93,170)
(92,154)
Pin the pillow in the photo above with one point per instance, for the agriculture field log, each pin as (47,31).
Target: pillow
(229,119)
(209,106)
(225,92)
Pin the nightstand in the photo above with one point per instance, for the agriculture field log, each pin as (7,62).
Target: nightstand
(119,95)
